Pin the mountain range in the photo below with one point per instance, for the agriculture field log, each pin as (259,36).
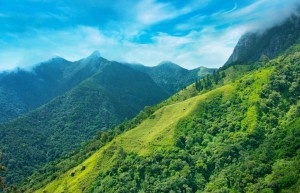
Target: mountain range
(236,130)
(57,106)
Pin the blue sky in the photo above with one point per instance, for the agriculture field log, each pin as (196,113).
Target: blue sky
(191,33)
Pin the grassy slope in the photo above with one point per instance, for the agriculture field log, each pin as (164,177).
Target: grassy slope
(154,133)
(57,128)
(159,132)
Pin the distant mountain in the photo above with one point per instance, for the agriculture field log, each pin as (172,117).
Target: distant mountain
(173,77)
(113,93)
(22,91)
(76,100)
(270,43)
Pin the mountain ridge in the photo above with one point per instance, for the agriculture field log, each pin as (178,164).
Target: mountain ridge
(22,91)
(100,94)
(234,131)
(253,45)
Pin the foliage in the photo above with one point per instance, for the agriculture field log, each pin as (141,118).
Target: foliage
(55,129)
(2,169)
(172,77)
(242,137)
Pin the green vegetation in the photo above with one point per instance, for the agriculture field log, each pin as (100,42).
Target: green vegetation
(236,130)
(103,95)
(98,103)
(239,134)
(172,77)
(2,169)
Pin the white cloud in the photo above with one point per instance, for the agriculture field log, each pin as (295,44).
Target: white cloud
(205,45)
(41,45)
(193,50)
(262,14)
(192,23)
(151,11)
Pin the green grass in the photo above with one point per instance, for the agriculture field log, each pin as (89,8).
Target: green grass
(157,132)
(258,79)
(154,133)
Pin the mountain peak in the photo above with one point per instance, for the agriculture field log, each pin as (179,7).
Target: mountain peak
(168,64)
(95,54)
(57,59)
(270,43)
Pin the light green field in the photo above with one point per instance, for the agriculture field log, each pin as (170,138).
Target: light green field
(154,133)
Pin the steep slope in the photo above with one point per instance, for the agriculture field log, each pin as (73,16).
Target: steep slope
(232,138)
(172,77)
(22,91)
(154,133)
(270,43)
(98,103)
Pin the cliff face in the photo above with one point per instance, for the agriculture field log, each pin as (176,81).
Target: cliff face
(270,43)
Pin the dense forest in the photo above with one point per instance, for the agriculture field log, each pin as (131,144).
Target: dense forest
(104,94)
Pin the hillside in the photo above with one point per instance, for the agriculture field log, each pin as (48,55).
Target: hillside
(85,97)
(234,131)
(172,77)
(191,145)
(114,93)
(23,90)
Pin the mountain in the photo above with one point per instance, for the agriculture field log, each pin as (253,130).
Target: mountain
(173,77)
(22,91)
(112,94)
(84,97)
(269,43)
(234,131)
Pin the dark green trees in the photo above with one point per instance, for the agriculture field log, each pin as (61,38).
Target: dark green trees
(2,169)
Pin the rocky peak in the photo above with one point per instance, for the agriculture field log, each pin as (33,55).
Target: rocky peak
(270,43)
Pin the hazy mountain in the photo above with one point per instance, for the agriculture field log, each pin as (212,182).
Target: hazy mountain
(112,94)
(22,91)
(84,97)
(173,77)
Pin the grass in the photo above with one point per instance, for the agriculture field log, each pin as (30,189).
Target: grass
(154,133)
(260,78)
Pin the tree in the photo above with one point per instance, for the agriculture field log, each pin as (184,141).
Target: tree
(223,75)
(2,169)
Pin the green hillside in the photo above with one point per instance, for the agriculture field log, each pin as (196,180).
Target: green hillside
(101,102)
(237,133)
(80,98)
(22,90)
(172,77)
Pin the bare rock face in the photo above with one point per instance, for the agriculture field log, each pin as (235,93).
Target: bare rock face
(270,43)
